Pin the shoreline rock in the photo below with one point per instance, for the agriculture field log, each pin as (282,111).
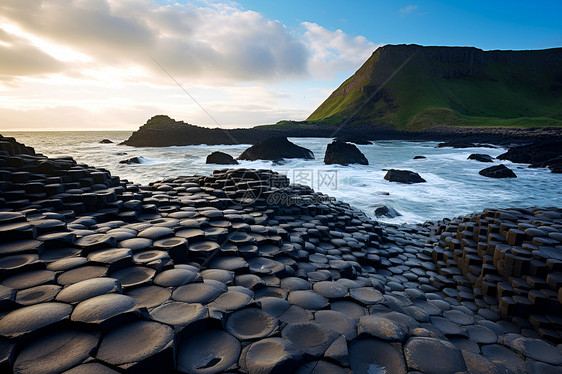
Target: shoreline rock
(241,271)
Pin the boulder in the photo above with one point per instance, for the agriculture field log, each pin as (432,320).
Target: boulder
(419,157)
(106,141)
(385,211)
(275,148)
(132,160)
(403,176)
(221,158)
(342,153)
(480,157)
(498,171)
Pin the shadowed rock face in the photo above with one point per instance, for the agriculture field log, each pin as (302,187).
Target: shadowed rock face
(196,277)
(498,171)
(221,158)
(538,154)
(339,152)
(275,148)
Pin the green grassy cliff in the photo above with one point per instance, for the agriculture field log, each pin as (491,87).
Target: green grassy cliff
(449,86)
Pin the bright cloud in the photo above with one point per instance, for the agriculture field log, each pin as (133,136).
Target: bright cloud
(96,61)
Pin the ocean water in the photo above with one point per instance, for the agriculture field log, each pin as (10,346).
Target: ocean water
(453,186)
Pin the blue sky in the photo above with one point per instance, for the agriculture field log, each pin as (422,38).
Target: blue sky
(492,24)
(107,64)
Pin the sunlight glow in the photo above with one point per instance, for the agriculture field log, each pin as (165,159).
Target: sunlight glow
(58,52)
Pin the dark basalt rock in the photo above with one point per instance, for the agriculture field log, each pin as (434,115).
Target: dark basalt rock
(310,337)
(211,351)
(498,171)
(250,324)
(430,355)
(138,346)
(545,153)
(480,157)
(220,158)
(56,352)
(179,314)
(342,153)
(105,141)
(274,149)
(385,211)
(31,318)
(271,355)
(133,160)
(88,289)
(189,259)
(403,176)
(419,157)
(373,355)
(381,328)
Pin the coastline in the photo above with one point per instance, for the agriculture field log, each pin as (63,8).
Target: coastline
(109,263)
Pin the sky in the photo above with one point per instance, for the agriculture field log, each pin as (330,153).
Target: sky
(113,64)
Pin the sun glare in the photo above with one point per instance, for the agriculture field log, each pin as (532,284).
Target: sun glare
(58,52)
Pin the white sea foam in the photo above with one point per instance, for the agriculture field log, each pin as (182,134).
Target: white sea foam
(453,185)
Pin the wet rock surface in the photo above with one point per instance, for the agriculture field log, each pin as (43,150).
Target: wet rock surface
(498,171)
(209,274)
(340,152)
(220,158)
(403,176)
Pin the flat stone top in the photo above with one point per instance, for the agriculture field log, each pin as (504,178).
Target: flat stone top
(88,288)
(100,308)
(31,318)
(56,352)
(134,342)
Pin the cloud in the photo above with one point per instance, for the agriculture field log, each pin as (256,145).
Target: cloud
(213,42)
(92,63)
(18,57)
(408,9)
(335,51)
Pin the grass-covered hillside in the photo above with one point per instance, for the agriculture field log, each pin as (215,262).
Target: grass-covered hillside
(453,86)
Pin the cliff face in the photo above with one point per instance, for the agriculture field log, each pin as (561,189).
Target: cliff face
(439,86)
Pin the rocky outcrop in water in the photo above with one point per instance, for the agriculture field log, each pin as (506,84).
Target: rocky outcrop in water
(132,160)
(275,148)
(403,176)
(480,157)
(220,158)
(339,152)
(546,153)
(498,171)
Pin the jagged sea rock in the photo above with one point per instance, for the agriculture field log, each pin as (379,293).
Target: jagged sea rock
(339,152)
(132,160)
